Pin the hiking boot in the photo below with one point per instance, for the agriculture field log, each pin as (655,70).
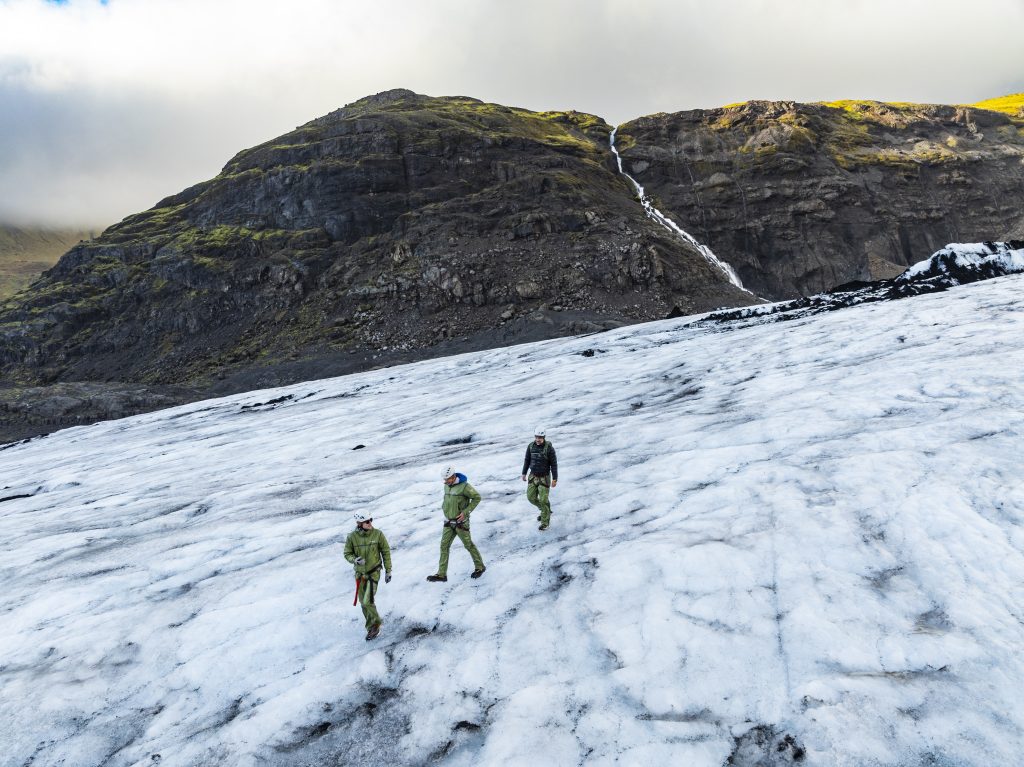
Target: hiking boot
(437,578)
(543,527)
(373,632)
(477,573)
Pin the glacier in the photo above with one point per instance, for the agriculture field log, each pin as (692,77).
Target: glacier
(772,544)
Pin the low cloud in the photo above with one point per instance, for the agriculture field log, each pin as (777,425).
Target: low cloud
(106,108)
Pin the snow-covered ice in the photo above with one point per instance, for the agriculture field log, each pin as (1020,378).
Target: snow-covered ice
(803,538)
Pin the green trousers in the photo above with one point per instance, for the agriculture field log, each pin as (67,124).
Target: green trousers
(537,494)
(367,591)
(446,544)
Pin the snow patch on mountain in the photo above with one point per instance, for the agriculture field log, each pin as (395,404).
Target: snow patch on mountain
(983,260)
(785,544)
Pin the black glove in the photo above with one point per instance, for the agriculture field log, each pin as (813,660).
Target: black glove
(387,577)
(359,561)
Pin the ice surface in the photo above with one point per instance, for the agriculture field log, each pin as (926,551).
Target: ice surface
(801,539)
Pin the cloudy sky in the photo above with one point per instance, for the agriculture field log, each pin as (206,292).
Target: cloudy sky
(105,107)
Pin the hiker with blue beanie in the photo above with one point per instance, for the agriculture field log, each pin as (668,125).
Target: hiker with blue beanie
(459,501)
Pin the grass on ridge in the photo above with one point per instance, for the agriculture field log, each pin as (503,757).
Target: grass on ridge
(1012,104)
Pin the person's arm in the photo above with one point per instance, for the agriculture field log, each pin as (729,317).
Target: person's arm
(474,500)
(350,550)
(553,462)
(526,463)
(385,553)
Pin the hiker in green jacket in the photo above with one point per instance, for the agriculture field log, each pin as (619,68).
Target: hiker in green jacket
(542,465)
(459,501)
(367,550)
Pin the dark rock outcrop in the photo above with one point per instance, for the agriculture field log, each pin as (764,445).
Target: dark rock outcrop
(799,198)
(1016,232)
(31,411)
(766,746)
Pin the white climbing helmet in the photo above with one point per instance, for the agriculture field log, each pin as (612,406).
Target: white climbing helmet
(360,517)
(449,471)
(539,431)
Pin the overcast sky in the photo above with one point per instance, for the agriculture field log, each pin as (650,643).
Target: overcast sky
(107,107)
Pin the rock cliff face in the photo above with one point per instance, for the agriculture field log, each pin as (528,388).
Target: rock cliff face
(370,235)
(799,198)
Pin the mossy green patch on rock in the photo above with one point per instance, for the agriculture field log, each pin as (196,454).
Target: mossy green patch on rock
(151,223)
(873,111)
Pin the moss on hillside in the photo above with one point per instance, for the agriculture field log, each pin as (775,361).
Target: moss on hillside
(563,130)
(151,223)
(420,121)
(871,110)
(863,135)
(1011,105)
(902,136)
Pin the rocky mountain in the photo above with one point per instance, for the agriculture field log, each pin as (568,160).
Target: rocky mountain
(379,230)
(404,226)
(26,252)
(799,198)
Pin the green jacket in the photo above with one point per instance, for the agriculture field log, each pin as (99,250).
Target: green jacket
(373,547)
(459,499)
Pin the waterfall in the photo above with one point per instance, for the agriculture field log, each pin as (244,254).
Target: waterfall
(671,225)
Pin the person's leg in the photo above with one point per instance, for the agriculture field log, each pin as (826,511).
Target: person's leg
(467,541)
(367,592)
(531,493)
(446,545)
(544,504)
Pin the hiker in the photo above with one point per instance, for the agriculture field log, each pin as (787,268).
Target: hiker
(367,550)
(542,465)
(459,501)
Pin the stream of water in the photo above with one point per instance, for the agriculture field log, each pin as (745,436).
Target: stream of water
(671,225)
